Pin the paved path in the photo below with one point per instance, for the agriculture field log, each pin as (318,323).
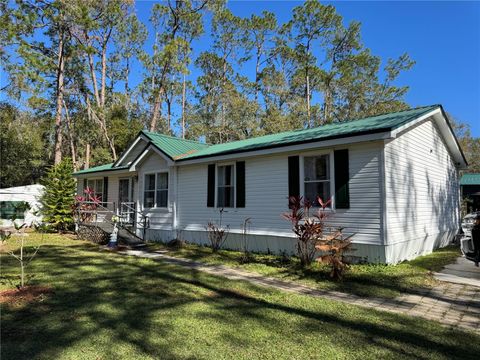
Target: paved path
(453,305)
(462,271)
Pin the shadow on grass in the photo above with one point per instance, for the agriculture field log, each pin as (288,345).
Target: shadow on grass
(368,280)
(112,306)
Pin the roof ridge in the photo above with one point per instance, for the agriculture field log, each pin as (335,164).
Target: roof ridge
(386,113)
(173,137)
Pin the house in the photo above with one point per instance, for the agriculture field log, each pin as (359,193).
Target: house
(12,204)
(470,190)
(393,180)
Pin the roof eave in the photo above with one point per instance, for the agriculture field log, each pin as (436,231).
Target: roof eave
(370,135)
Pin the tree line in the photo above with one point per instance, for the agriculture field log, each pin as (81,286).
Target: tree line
(70,92)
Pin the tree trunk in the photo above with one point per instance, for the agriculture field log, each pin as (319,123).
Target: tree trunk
(104,77)
(308,101)
(93,76)
(184,91)
(127,73)
(59,105)
(71,137)
(157,108)
(169,115)
(307,86)
(87,156)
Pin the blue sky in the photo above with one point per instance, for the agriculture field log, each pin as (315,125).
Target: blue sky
(442,37)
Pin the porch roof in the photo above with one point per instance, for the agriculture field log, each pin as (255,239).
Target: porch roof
(106,167)
(470,179)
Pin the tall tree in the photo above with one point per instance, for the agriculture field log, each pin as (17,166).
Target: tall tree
(173,24)
(313,24)
(38,69)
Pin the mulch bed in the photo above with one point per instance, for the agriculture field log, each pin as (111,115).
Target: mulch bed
(26,295)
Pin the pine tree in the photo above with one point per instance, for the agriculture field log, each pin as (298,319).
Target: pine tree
(57,200)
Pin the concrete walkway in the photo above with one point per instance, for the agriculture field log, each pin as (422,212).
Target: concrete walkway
(462,271)
(453,305)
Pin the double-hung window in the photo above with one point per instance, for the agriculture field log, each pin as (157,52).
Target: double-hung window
(156,190)
(96,185)
(317,178)
(226,186)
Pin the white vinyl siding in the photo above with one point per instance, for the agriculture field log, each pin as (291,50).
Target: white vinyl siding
(266,191)
(159,217)
(422,196)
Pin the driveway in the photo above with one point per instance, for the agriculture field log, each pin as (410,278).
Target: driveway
(462,271)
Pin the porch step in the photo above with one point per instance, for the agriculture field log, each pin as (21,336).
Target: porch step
(124,236)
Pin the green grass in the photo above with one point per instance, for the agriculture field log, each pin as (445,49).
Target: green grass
(365,280)
(109,306)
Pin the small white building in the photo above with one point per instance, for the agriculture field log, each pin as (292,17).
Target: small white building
(11,200)
(393,181)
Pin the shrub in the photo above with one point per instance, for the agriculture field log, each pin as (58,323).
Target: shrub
(217,234)
(308,229)
(313,235)
(333,246)
(85,206)
(57,201)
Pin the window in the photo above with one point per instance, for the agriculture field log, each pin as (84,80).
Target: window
(97,187)
(13,209)
(156,190)
(316,178)
(225,186)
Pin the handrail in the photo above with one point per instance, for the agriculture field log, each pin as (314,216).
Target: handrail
(101,209)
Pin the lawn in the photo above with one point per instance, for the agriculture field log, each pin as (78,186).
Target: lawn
(365,280)
(110,306)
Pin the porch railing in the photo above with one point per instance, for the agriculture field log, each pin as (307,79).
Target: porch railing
(102,212)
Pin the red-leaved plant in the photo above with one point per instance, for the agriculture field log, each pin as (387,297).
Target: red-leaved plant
(313,235)
(86,205)
(308,228)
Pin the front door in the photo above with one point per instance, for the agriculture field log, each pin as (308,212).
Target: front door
(125,200)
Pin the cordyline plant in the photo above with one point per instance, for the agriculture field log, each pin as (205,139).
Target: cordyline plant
(313,235)
(333,246)
(85,206)
(217,234)
(308,229)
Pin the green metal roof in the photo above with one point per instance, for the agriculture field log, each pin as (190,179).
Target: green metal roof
(470,179)
(174,147)
(106,167)
(372,124)
(181,149)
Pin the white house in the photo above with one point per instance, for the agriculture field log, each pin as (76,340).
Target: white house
(11,200)
(392,178)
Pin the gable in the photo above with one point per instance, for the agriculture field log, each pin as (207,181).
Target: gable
(132,152)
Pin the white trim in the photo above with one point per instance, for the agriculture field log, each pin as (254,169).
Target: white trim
(292,148)
(156,172)
(104,173)
(234,175)
(400,129)
(444,128)
(124,155)
(383,197)
(331,170)
(141,157)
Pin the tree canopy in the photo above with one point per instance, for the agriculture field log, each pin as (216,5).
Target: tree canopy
(70,70)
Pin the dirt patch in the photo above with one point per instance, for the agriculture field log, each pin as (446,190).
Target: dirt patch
(25,295)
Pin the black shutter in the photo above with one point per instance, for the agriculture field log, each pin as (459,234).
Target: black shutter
(293,176)
(342,177)
(105,189)
(84,185)
(211,186)
(240,172)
